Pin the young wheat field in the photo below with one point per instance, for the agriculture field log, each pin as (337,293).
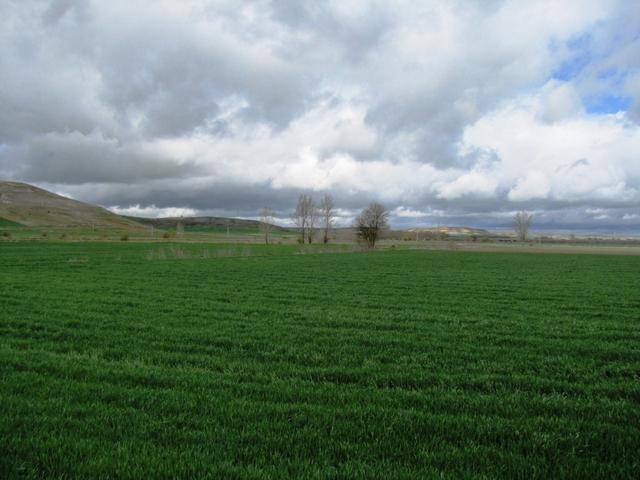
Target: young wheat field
(199,361)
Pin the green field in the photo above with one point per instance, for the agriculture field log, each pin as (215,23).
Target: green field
(147,360)
(232,230)
(190,233)
(235,230)
(8,223)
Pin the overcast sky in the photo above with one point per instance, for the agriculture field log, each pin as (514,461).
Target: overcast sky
(447,112)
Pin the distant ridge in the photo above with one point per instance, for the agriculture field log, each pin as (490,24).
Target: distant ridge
(166,222)
(35,207)
(451,230)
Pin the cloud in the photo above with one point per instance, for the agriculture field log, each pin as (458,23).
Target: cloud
(578,158)
(533,185)
(474,183)
(73,157)
(152,211)
(459,110)
(404,212)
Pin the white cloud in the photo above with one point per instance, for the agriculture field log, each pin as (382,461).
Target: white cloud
(580,157)
(559,101)
(447,106)
(474,184)
(532,185)
(153,212)
(404,212)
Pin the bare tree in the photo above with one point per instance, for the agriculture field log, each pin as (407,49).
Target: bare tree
(327,216)
(312,218)
(266,224)
(521,224)
(303,217)
(371,221)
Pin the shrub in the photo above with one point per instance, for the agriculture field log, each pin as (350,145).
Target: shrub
(124,237)
(169,234)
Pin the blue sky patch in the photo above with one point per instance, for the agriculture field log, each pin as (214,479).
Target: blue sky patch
(580,57)
(607,103)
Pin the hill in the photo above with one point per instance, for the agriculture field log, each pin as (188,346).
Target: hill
(34,207)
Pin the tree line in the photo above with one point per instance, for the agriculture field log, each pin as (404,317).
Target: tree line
(369,224)
(310,217)
(307,216)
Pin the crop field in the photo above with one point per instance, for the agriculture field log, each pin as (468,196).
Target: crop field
(135,360)
(232,230)
(191,233)
(8,223)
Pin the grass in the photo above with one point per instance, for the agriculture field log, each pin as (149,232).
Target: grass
(192,233)
(254,362)
(8,223)
(233,230)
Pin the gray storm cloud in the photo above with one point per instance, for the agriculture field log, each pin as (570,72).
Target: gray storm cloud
(448,112)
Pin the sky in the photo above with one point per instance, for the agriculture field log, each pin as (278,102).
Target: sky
(447,112)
